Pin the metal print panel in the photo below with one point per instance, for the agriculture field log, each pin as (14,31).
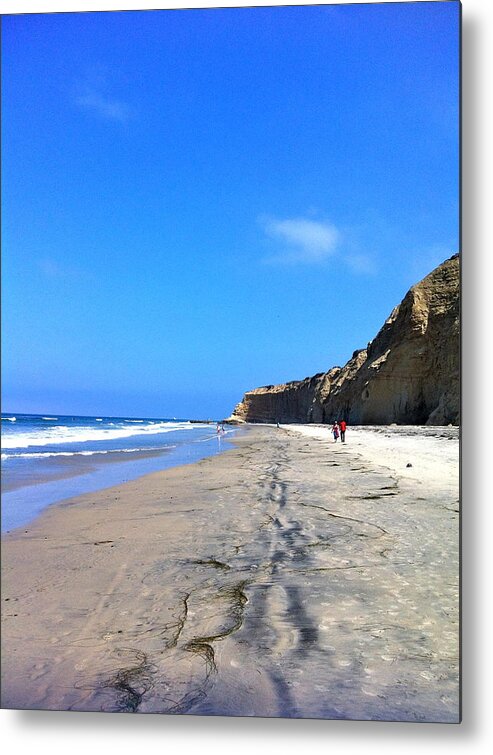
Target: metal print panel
(200,209)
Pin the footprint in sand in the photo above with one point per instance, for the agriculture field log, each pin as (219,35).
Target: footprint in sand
(40,669)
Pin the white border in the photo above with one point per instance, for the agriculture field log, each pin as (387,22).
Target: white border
(74,733)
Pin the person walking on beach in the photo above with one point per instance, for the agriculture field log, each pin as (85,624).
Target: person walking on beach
(342,428)
(335,431)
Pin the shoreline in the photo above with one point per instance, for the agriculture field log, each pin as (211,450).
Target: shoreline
(64,468)
(285,577)
(21,505)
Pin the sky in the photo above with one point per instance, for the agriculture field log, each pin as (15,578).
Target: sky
(196,203)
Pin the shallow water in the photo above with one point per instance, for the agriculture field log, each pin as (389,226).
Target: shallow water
(53,480)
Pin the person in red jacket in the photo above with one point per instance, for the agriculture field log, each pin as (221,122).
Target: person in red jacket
(342,428)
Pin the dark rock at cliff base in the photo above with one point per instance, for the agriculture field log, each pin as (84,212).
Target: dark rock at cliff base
(409,373)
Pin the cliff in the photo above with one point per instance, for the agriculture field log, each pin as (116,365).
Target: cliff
(409,373)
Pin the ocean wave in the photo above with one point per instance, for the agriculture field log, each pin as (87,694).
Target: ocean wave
(10,419)
(48,454)
(50,418)
(80,434)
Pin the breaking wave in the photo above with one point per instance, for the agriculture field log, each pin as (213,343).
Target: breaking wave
(63,434)
(49,454)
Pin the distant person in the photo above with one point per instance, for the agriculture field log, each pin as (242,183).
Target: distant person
(342,428)
(335,431)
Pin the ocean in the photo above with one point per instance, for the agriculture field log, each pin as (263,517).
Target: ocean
(47,458)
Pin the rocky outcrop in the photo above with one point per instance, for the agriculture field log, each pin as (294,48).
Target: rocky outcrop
(409,373)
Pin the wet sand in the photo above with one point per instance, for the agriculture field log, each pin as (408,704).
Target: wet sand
(289,577)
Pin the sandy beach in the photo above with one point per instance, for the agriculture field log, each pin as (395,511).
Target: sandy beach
(292,576)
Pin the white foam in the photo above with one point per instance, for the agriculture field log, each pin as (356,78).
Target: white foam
(63,434)
(50,418)
(48,454)
(10,419)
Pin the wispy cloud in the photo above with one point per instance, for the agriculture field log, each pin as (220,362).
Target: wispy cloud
(360,263)
(94,94)
(104,106)
(301,240)
(52,269)
(309,241)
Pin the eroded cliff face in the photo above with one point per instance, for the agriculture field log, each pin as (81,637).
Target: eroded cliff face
(409,374)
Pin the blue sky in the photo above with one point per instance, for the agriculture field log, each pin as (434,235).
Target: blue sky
(196,203)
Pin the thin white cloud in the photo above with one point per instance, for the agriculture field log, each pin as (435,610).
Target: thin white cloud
(300,240)
(52,269)
(360,263)
(103,105)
